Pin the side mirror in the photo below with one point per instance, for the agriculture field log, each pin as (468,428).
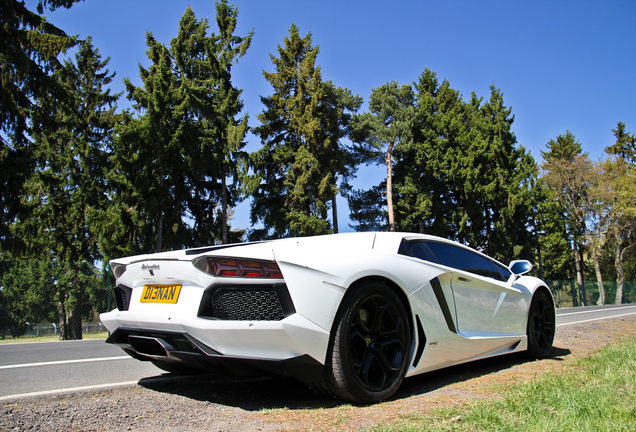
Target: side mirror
(520,267)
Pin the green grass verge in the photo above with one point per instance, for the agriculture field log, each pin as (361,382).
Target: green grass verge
(596,393)
(50,338)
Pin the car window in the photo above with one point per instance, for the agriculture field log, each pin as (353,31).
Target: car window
(418,249)
(505,273)
(463,259)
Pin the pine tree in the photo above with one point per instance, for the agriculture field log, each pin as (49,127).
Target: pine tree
(462,175)
(625,145)
(564,147)
(68,184)
(172,162)
(301,126)
(554,252)
(341,159)
(229,132)
(427,166)
(29,51)
(28,57)
(154,147)
(500,177)
(368,209)
(387,125)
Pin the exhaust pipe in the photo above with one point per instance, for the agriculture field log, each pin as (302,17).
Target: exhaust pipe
(149,346)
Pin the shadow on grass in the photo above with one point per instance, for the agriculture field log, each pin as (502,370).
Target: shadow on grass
(438,379)
(255,394)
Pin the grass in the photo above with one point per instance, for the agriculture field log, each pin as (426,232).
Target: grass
(50,338)
(596,393)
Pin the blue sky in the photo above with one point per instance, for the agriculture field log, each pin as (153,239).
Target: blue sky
(561,65)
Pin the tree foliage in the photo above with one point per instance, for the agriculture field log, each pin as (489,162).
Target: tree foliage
(597,203)
(566,175)
(295,171)
(617,191)
(68,182)
(389,123)
(171,162)
(207,74)
(458,171)
(68,185)
(28,57)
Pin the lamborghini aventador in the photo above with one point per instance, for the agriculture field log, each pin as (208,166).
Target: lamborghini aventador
(350,314)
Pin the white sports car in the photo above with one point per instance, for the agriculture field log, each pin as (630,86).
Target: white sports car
(350,314)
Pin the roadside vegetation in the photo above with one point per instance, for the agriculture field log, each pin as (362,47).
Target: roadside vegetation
(595,393)
(50,338)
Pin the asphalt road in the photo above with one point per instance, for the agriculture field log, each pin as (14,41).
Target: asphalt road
(36,369)
(43,368)
(593,313)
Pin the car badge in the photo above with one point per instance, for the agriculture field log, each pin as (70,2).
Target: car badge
(150,267)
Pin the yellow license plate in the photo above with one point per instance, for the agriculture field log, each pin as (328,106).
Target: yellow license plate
(160,293)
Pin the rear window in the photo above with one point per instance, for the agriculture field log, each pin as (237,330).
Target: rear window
(418,249)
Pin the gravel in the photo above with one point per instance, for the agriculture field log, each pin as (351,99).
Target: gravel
(222,403)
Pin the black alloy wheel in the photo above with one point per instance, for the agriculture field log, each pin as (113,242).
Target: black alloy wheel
(541,325)
(371,346)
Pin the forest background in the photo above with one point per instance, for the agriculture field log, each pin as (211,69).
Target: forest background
(85,180)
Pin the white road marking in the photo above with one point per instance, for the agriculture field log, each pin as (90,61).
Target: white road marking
(61,362)
(594,319)
(597,310)
(67,390)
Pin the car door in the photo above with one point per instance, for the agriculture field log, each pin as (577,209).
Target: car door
(485,303)
(441,285)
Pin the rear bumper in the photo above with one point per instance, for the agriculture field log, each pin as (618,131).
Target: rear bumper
(184,349)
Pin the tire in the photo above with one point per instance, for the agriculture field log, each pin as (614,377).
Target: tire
(370,347)
(541,325)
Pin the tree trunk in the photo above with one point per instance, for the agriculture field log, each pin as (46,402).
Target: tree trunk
(389,186)
(74,325)
(159,225)
(579,273)
(599,280)
(334,210)
(224,235)
(61,313)
(540,258)
(620,274)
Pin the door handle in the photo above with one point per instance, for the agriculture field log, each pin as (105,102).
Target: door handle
(463,279)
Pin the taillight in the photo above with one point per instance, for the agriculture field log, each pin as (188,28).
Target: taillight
(237,267)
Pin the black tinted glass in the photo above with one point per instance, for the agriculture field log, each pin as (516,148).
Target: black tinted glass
(418,249)
(463,259)
(505,273)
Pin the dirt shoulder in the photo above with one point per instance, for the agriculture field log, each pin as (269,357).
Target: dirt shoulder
(220,403)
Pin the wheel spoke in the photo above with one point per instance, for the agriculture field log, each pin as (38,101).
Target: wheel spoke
(359,342)
(389,354)
(371,375)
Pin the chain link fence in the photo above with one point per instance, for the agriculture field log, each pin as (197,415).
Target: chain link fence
(53,301)
(59,301)
(565,292)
